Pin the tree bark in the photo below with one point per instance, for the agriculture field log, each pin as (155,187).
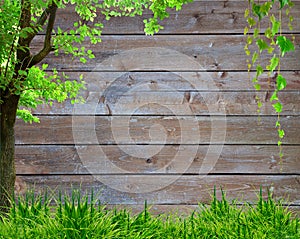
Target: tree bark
(9,101)
(8,110)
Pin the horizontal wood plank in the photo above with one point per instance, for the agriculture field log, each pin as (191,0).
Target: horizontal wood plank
(196,17)
(120,100)
(165,154)
(183,81)
(57,159)
(156,130)
(133,92)
(158,189)
(166,53)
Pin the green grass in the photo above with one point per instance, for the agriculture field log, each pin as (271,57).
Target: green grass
(80,216)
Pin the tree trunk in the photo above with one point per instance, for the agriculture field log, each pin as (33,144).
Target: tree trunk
(8,110)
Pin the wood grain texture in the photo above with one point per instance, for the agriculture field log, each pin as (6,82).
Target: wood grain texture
(59,159)
(194,18)
(145,131)
(184,190)
(120,100)
(167,53)
(184,81)
(199,93)
(156,130)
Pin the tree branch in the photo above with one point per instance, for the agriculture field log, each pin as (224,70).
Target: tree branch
(25,19)
(23,52)
(40,22)
(9,56)
(25,14)
(47,42)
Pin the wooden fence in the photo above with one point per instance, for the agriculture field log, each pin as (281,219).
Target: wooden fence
(167,117)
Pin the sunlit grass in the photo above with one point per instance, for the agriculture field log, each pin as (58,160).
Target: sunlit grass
(80,216)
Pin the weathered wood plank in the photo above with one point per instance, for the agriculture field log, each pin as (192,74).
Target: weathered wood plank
(183,81)
(156,130)
(135,189)
(166,53)
(120,100)
(196,17)
(122,92)
(246,159)
(47,152)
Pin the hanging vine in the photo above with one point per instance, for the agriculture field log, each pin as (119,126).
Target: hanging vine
(270,41)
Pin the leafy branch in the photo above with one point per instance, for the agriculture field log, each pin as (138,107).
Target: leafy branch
(270,42)
(51,10)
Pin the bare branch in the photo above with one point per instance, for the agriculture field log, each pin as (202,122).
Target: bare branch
(41,21)
(47,42)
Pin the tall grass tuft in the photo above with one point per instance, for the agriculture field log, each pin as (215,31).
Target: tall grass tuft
(81,216)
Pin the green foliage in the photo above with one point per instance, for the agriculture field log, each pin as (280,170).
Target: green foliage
(78,216)
(285,44)
(43,88)
(9,17)
(132,8)
(271,43)
(35,84)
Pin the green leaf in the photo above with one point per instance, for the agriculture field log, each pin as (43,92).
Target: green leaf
(251,22)
(281,82)
(272,18)
(261,10)
(278,124)
(247,52)
(278,107)
(249,66)
(22,73)
(256,33)
(281,133)
(246,14)
(270,49)
(281,154)
(256,10)
(254,57)
(265,8)
(257,87)
(274,63)
(259,70)
(285,44)
(27,116)
(268,33)
(275,27)
(259,104)
(274,96)
(44,66)
(283,3)
(83,60)
(262,44)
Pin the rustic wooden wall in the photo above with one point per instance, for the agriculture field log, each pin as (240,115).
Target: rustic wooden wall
(190,75)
